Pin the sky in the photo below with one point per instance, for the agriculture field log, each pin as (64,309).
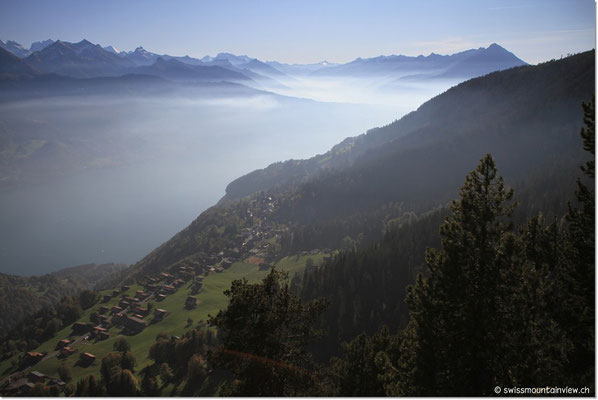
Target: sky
(309,31)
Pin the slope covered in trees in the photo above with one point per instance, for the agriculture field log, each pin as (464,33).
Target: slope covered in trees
(526,117)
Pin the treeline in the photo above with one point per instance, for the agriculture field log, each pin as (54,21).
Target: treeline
(366,287)
(497,306)
(21,296)
(43,324)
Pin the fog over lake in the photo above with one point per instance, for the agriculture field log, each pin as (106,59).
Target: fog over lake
(118,176)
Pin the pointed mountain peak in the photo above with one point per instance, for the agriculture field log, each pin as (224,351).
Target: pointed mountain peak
(112,49)
(38,46)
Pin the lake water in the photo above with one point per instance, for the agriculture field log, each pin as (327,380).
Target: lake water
(180,154)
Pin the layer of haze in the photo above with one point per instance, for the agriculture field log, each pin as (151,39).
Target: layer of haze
(136,171)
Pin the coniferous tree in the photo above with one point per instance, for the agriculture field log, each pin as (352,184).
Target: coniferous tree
(452,343)
(265,331)
(356,372)
(578,312)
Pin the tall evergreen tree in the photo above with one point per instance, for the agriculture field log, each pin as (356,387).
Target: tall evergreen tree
(451,345)
(265,331)
(578,312)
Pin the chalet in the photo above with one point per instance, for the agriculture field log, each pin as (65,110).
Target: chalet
(80,328)
(169,289)
(135,324)
(161,297)
(20,386)
(87,357)
(99,329)
(178,283)
(103,335)
(141,295)
(160,313)
(141,310)
(226,263)
(57,382)
(166,277)
(63,343)
(191,302)
(116,309)
(139,316)
(130,299)
(118,318)
(115,293)
(185,275)
(219,269)
(103,318)
(36,376)
(34,356)
(124,288)
(124,304)
(106,298)
(67,351)
(102,310)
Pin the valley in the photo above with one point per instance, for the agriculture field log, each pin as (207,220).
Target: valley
(394,225)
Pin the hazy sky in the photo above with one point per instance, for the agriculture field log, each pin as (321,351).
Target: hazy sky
(309,30)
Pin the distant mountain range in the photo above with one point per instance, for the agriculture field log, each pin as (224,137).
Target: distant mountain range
(469,63)
(87,60)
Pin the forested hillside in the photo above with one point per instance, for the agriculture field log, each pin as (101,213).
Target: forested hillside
(527,117)
(524,115)
(21,297)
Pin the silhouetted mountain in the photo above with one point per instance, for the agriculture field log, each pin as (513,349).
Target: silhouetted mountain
(526,117)
(466,64)
(233,59)
(13,65)
(15,48)
(140,57)
(111,49)
(80,60)
(259,67)
(300,69)
(38,46)
(184,59)
(178,71)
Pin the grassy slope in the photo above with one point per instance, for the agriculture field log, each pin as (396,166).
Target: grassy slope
(210,300)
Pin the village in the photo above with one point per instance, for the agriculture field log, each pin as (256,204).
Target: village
(134,312)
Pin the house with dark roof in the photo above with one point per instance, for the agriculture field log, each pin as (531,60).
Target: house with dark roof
(134,324)
(67,351)
(21,386)
(32,357)
(191,302)
(87,358)
(36,376)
